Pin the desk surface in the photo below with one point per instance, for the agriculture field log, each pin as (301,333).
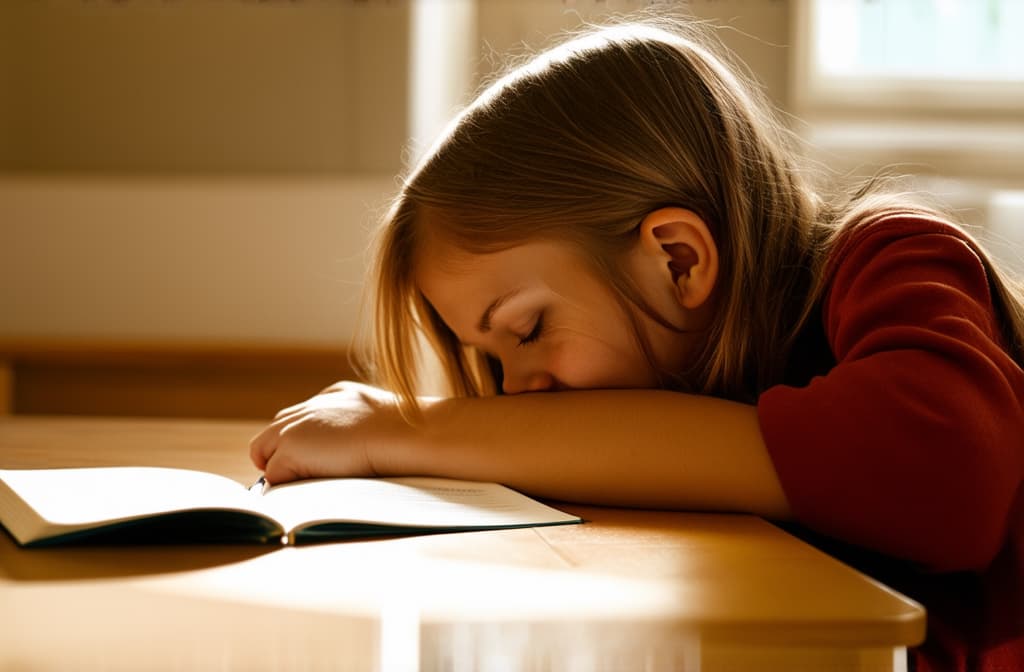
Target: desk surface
(625,590)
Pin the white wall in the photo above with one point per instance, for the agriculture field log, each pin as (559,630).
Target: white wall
(194,170)
(196,260)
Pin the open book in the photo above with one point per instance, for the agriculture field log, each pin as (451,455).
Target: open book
(162,505)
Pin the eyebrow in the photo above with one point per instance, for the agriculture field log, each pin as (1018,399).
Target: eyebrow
(485,320)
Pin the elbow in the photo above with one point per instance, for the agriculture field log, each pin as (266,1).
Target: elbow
(969,547)
(969,501)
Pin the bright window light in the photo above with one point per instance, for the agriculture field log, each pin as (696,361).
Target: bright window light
(974,40)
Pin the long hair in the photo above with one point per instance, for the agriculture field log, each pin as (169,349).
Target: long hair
(578,146)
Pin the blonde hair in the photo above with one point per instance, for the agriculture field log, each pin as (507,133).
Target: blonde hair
(577,146)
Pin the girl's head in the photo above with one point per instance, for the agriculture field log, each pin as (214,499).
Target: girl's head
(637,181)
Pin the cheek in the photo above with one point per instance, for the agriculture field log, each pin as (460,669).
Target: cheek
(590,363)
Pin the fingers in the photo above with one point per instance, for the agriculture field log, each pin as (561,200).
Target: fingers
(300,451)
(265,451)
(280,468)
(324,435)
(260,446)
(263,445)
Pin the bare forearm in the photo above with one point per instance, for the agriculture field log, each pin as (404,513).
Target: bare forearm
(619,447)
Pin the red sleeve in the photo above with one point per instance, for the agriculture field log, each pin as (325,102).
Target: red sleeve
(913,444)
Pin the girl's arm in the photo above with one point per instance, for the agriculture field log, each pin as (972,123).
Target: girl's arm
(643,448)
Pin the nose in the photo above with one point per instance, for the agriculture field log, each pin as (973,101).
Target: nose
(517,382)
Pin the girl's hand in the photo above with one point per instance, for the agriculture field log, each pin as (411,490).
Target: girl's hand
(335,433)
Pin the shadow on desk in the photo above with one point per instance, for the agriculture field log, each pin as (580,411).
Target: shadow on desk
(108,562)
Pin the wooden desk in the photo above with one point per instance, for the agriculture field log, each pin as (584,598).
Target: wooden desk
(628,590)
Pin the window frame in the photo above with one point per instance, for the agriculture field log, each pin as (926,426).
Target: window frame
(815,91)
(967,137)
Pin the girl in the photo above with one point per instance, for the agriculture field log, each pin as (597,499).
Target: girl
(622,221)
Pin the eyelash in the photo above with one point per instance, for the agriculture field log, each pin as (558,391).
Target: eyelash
(535,333)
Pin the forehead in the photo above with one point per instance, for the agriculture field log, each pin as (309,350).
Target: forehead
(460,284)
(439,255)
(445,271)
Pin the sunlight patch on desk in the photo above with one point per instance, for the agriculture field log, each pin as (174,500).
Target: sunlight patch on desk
(399,637)
(365,578)
(442,614)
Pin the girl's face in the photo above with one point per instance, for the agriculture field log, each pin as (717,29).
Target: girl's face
(541,311)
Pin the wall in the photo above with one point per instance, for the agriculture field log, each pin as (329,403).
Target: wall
(7,102)
(268,87)
(194,170)
(197,86)
(756,30)
(243,259)
(208,170)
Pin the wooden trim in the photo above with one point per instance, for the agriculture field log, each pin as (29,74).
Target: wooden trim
(164,379)
(6,388)
(166,353)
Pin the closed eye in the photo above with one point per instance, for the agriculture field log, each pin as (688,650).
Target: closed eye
(535,333)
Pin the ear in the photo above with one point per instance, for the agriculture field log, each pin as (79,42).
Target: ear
(679,242)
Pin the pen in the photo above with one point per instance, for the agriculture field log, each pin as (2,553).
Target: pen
(260,483)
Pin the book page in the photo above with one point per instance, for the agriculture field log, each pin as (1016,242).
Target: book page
(411,502)
(81,496)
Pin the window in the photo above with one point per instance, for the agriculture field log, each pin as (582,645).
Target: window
(924,39)
(934,87)
(912,54)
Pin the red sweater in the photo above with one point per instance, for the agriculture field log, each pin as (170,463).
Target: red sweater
(899,438)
